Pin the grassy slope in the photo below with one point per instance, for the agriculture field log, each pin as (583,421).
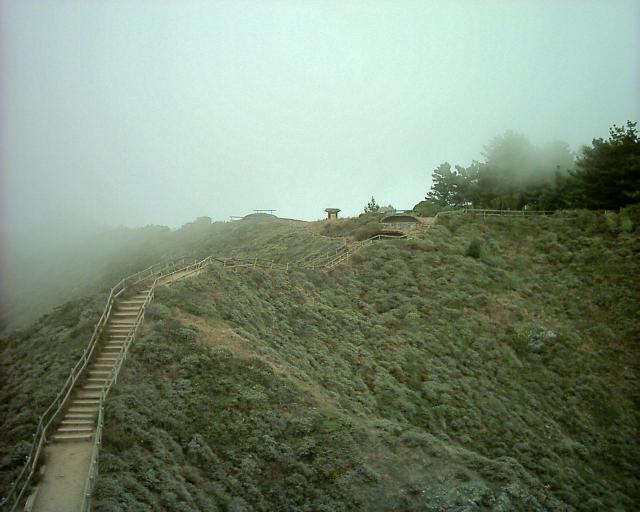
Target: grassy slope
(70,272)
(36,360)
(416,378)
(34,364)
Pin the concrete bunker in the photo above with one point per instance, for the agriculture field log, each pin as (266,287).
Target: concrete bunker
(401,221)
(390,233)
(258,216)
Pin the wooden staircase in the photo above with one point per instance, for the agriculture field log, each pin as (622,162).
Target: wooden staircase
(79,420)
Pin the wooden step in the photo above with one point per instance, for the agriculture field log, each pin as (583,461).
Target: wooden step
(123,315)
(83,416)
(83,409)
(110,362)
(78,422)
(88,395)
(85,402)
(96,374)
(111,350)
(101,366)
(75,430)
(94,387)
(70,438)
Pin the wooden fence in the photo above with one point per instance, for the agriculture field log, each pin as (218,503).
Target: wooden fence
(497,213)
(323,262)
(51,414)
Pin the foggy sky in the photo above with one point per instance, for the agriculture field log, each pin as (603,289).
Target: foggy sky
(147,112)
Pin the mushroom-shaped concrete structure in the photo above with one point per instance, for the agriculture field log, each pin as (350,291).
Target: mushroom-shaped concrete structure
(332,213)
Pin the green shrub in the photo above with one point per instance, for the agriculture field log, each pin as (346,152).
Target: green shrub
(626,224)
(474,249)
(611,219)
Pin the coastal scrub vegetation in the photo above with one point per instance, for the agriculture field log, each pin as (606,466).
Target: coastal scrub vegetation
(415,378)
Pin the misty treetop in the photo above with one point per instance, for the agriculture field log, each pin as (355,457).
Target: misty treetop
(608,172)
(373,207)
(516,174)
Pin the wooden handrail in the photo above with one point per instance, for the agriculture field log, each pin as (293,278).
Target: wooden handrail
(23,480)
(509,213)
(111,380)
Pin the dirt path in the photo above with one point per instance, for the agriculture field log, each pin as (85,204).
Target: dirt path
(62,487)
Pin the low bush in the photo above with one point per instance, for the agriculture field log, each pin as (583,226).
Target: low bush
(474,249)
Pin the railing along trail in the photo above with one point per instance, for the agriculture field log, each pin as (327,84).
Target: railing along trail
(23,481)
(323,262)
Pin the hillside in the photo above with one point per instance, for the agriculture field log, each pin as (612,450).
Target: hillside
(41,274)
(417,377)
(36,360)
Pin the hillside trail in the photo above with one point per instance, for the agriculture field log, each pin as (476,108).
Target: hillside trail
(65,477)
(68,455)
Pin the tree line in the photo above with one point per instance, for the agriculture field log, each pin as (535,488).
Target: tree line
(516,174)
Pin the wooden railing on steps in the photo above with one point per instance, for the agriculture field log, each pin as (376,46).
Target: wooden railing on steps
(23,481)
(324,262)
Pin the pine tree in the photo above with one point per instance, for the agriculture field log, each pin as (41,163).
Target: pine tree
(443,189)
(372,206)
(608,172)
